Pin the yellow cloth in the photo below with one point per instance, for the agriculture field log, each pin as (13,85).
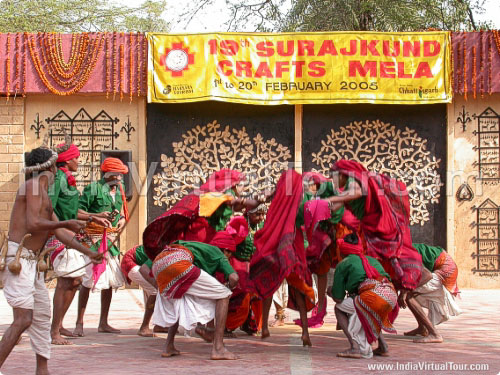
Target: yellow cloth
(210,202)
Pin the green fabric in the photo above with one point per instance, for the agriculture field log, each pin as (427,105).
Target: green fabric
(209,258)
(429,254)
(350,273)
(65,198)
(357,206)
(96,198)
(219,219)
(326,190)
(141,257)
(245,250)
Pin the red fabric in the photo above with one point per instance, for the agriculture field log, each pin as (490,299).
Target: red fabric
(315,211)
(223,240)
(71,153)
(98,269)
(385,223)
(128,262)
(279,244)
(172,226)
(238,228)
(222,180)
(199,231)
(69,176)
(316,177)
(357,249)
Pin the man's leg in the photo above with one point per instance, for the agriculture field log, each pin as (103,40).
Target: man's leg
(22,321)
(301,304)
(266,308)
(170,349)
(343,322)
(322,283)
(42,367)
(63,296)
(83,299)
(423,320)
(149,308)
(218,349)
(104,327)
(383,348)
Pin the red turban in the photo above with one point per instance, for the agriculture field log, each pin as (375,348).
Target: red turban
(238,228)
(71,153)
(117,166)
(223,240)
(315,177)
(114,165)
(222,180)
(348,248)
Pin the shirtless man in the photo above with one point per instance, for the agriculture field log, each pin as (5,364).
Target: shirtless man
(25,291)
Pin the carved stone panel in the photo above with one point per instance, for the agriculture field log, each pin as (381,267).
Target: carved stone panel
(190,141)
(405,142)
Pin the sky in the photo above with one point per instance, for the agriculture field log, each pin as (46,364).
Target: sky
(212,18)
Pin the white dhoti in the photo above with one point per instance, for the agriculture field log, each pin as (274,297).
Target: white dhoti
(135,276)
(355,328)
(281,295)
(197,305)
(27,291)
(112,277)
(69,260)
(438,300)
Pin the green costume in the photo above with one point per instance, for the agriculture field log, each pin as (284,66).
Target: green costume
(429,254)
(219,219)
(96,198)
(357,206)
(65,198)
(141,257)
(208,258)
(349,273)
(245,249)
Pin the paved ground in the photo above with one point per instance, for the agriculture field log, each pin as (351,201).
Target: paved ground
(472,338)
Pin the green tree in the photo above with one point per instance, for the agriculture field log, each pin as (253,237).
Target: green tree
(80,16)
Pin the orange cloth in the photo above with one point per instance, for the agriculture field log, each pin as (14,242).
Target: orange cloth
(210,202)
(117,166)
(301,286)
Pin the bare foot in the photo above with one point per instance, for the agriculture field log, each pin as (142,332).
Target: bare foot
(229,334)
(381,352)
(145,332)
(59,340)
(223,355)
(204,333)
(350,353)
(265,333)
(306,341)
(277,323)
(106,328)
(417,331)
(78,332)
(66,332)
(159,329)
(170,352)
(429,339)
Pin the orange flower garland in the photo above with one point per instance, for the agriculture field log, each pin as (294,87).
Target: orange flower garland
(465,69)
(130,67)
(115,72)
(78,80)
(25,61)
(106,64)
(139,64)
(474,83)
(145,57)
(16,76)
(7,68)
(121,71)
(490,58)
(481,64)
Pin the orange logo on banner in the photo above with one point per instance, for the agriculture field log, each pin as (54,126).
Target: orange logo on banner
(177,59)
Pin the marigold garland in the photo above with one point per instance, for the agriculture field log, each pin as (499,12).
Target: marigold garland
(139,64)
(130,66)
(490,58)
(115,72)
(7,68)
(25,61)
(121,71)
(474,83)
(465,69)
(16,74)
(458,69)
(79,79)
(144,71)
(106,64)
(481,64)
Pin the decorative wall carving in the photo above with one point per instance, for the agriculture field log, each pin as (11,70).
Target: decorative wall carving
(487,240)
(211,147)
(91,134)
(488,147)
(382,148)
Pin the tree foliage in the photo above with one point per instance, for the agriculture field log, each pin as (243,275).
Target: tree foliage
(80,16)
(356,15)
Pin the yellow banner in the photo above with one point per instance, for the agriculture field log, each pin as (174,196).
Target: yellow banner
(300,68)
